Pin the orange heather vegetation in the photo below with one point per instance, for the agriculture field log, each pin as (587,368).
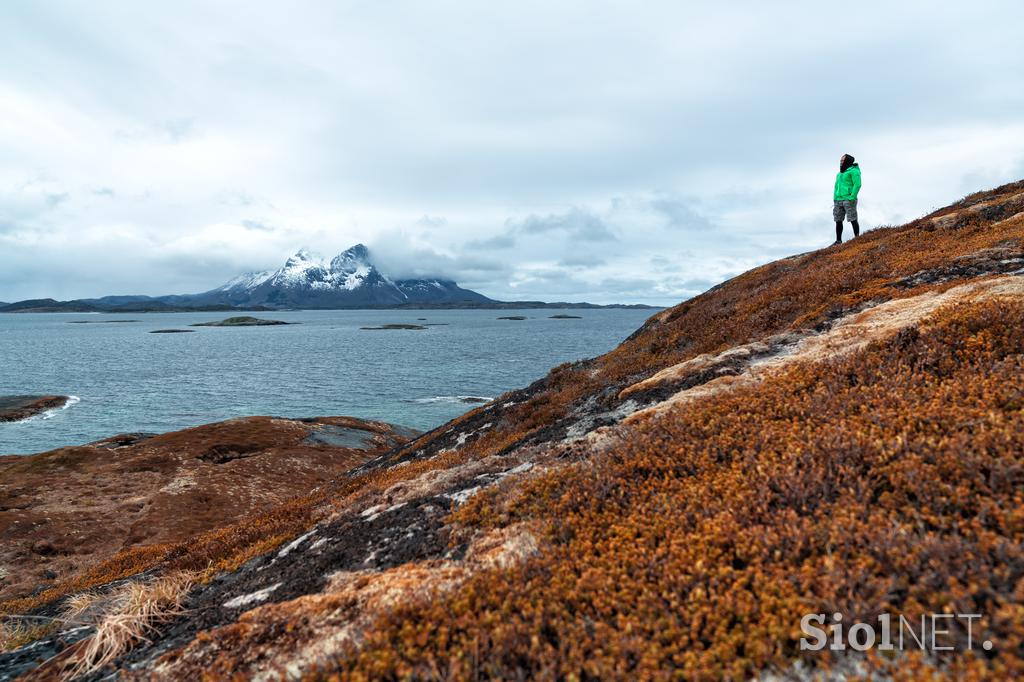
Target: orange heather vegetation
(890,481)
(840,431)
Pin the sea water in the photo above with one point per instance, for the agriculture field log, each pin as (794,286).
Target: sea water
(124,379)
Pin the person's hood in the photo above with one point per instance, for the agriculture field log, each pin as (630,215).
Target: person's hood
(848,161)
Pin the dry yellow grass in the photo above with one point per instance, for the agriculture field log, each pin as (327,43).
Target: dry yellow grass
(122,619)
(78,607)
(17,631)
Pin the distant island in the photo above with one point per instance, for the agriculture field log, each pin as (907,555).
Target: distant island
(350,280)
(414,327)
(243,321)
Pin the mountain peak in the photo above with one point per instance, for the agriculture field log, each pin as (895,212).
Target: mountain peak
(349,280)
(358,250)
(353,259)
(301,256)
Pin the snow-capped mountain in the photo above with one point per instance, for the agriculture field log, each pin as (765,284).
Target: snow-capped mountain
(350,279)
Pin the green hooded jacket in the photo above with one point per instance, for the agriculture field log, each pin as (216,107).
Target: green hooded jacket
(847,184)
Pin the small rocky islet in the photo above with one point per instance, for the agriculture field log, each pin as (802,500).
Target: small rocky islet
(242,321)
(395,326)
(101,321)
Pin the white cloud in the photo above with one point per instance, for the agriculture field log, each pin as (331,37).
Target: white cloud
(605,151)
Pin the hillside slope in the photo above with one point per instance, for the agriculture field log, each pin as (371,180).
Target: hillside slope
(64,510)
(840,431)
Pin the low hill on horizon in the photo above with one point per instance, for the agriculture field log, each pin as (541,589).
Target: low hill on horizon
(840,431)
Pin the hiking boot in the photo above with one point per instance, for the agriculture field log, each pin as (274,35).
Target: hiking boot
(837,242)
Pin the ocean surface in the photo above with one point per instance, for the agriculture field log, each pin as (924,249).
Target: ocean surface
(125,379)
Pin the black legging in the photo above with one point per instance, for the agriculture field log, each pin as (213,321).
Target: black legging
(839,229)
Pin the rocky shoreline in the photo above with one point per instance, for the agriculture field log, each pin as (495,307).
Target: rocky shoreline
(15,408)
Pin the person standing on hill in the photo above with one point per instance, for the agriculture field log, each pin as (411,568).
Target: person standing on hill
(845,196)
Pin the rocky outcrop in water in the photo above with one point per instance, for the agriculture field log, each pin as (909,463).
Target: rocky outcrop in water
(242,321)
(14,408)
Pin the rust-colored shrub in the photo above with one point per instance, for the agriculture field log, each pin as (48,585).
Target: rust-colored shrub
(889,480)
(123,564)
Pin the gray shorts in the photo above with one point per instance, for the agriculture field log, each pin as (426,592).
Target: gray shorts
(847,208)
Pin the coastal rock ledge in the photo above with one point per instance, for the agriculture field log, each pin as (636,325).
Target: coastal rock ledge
(14,408)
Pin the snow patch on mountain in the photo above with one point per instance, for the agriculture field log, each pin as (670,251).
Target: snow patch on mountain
(248,280)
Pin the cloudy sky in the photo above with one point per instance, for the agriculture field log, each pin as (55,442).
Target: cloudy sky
(600,151)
